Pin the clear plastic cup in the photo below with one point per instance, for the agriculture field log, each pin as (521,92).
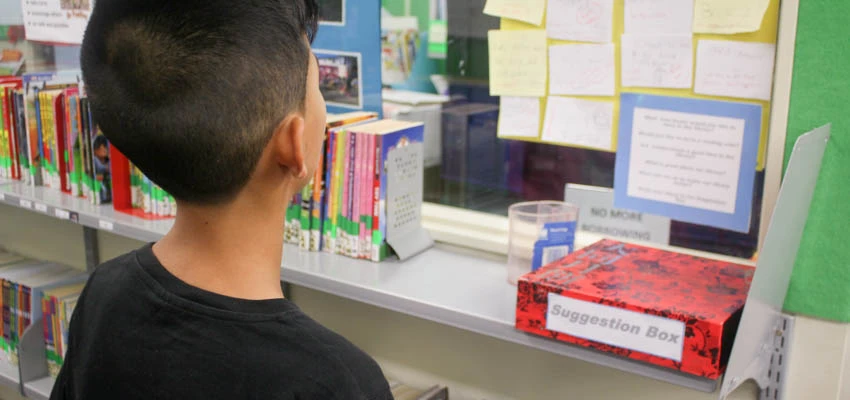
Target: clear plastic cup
(530,223)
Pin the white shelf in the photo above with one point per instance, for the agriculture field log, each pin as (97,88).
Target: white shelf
(39,389)
(465,291)
(59,205)
(9,374)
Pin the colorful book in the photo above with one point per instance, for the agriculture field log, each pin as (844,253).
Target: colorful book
(389,135)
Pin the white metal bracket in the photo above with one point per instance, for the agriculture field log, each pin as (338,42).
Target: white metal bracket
(764,336)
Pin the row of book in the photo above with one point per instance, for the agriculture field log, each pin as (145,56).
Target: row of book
(48,138)
(34,290)
(148,197)
(344,208)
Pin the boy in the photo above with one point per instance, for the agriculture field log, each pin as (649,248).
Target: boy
(218,103)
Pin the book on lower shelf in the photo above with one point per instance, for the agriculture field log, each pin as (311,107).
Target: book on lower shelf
(24,284)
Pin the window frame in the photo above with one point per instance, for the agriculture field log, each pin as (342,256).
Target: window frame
(489,232)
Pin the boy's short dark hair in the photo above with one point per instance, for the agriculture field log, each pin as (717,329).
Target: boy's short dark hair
(192,90)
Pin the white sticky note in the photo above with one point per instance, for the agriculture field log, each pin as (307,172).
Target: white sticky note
(735,69)
(582,69)
(61,214)
(579,122)
(519,117)
(657,61)
(642,17)
(105,225)
(729,16)
(518,62)
(687,159)
(580,20)
(530,11)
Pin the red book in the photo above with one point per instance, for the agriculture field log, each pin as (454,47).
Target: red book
(673,310)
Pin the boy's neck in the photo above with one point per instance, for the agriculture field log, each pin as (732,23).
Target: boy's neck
(233,250)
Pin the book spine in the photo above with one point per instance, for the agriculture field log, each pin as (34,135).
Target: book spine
(38,150)
(5,143)
(13,135)
(15,316)
(147,201)
(363,190)
(327,195)
(68,149)
(62,142)
(9,132)
(358,193)
(366,226)
(336,200)
(4,344)
(344,205)
(47,329)
(306,198)
(316,205)
(377,218)
(349,216)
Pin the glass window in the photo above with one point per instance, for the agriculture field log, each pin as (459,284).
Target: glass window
(481,172)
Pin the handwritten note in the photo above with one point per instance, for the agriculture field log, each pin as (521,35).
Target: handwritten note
(579,122)
(729,16)
(660,61)
(735,69)
(582,69)
(519,117)
(686,159)
(518,63)
(658,16)
(580,20)
(530,11)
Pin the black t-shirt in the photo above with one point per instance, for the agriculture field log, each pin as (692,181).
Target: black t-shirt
(139,332)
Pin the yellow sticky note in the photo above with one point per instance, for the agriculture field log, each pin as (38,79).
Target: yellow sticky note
(518,63)
(530,11)
(729,16)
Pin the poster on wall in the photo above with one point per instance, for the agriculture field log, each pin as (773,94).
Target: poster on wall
(687,159)
(56,21)
(332,12)
(348,48)
(339,78)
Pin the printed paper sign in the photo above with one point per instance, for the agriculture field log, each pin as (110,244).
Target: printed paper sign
(580,20)
(530,11)
(687,159)
(614,326)
(519,117)
(57,21)
(582,69)
(518,63)
(597,214)
(658,61)
(579,122)
(729,16)
(643,17)
(735,69)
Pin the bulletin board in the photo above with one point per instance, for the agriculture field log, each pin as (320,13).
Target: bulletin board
(766,34)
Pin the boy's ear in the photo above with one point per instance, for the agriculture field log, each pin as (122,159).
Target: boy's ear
(288,142)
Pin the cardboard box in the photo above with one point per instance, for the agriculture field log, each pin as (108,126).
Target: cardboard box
(669,309)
